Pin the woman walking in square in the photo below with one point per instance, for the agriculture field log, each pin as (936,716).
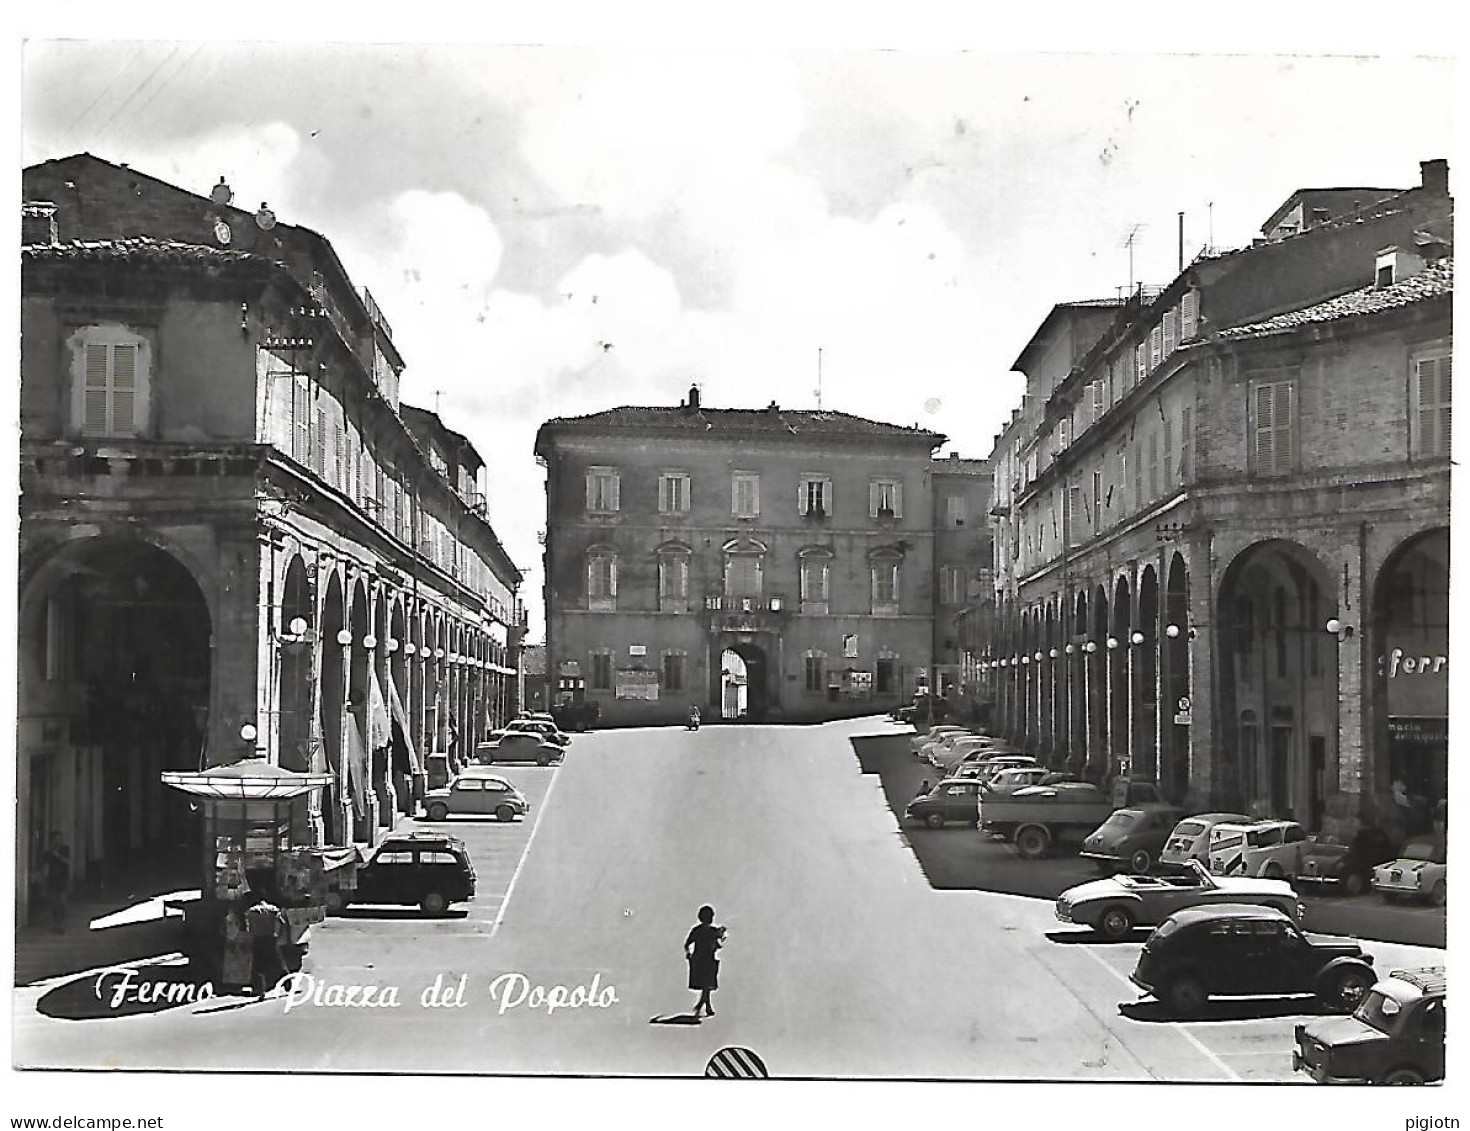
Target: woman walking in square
(701,948)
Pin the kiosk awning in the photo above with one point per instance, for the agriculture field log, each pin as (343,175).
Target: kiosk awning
(251,779)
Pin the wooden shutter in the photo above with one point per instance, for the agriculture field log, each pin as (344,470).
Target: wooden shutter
(1274,410)
(1188,315)
(1099,404)
(1432,405)
(1186,442)
(124,390)
(94,392)
(1155,346)
(1168,451)
(1171,321)
(1140,357)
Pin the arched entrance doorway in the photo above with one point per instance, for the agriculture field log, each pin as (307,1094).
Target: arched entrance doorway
(114,686)
(1278,683)
(742,674)
(1410,626)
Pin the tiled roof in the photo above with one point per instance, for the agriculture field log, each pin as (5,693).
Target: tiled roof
(1433,282)
(730,421)
(138,249)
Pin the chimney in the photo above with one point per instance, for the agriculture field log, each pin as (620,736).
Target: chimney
(38,222)
(693,403)
(1435,176)
(954,455)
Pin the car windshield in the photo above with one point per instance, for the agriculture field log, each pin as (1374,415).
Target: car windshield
(1424,850)
(1120,820)
(1378,1010)
(1189,828)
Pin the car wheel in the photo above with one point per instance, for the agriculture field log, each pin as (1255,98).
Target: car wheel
(335,902)
(1437,894)
(1185,995)
(433,903)
(1403,1075)
(1354,883)
(1274,871)
(935,820)
(1348,989)
(1115,922)
(504,813)
(1140,862)
(1032,843)
(438,811)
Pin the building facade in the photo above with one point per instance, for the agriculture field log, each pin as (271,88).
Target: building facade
(760,564)
(234,541)
(964,593)
(1222,532)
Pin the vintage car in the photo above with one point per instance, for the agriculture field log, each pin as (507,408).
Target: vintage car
(477,794)
(544,727)
(1131,838)
(1417,873)
(953,799)
(1261,848)
(429,869)
(1328,861)
(995,754)
(1237,951)
(1395,1036)
(934,734)
(934,750)
(1114,906)
(1190,839)
(519,746)
(1005,779)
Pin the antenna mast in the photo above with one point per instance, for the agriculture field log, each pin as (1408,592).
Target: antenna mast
(1128,241)
(819,378)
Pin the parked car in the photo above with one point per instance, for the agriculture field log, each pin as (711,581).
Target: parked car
(1131,838)
(477,794)
(953,799)
(431,870)
(547,730)
(1007,779)
(1417,873)
(1114,906)
(922,738)
(942,740)
(991,763)
(1395,1036)
(1190,839)
(1237,950)
(575,715)
(1039,817)
(1327,860)
(519,746)
(1261,848)
(987,750)
(925,709)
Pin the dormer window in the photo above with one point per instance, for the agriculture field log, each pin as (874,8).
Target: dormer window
(1396,264)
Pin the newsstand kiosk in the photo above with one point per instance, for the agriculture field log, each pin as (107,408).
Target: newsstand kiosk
(245,847)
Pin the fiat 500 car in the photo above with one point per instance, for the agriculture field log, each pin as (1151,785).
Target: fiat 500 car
(1114,906)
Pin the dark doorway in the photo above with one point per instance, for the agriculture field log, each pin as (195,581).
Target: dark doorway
(1281,772)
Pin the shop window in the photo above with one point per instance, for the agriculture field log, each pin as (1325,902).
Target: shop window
(110,380)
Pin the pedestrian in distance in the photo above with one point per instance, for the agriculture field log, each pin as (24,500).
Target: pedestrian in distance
(923,788)
(701,948)
(56,880)
(266,925)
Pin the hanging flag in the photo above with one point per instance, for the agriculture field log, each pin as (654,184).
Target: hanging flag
(401,731)
(357,766)
(380,732)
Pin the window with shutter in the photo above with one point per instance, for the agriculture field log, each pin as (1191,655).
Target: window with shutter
(1274,426)
(1431,422)
(602,489)
(745,494)
(885,498)
(1168,425)
(673,493)
(1140,360)
(301,419)
(319,448)
(1155,347)
(1186,443)
(1153,465)
(337,444)
(110,382)
(1099,405)
(1171,321)
(814,496)
(1189,315)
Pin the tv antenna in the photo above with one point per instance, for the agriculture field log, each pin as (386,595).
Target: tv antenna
(818,389)
(437,394)
(1128,241)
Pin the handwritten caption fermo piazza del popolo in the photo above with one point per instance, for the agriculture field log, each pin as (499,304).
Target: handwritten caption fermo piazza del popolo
(121,985)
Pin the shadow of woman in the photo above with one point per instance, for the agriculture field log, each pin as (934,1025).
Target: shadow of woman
(125,991)
(674,1019)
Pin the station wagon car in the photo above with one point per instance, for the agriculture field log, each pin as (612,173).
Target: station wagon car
(1114,906)
(953,799)
(1418,873)
(1395,1036)
(1235,950)
(430,870)
(477,794)
(1263,848)
(1190,839)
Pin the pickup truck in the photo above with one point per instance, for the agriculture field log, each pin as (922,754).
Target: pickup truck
(575,716)
(1040,817)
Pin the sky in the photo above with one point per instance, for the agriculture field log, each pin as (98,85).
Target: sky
(558,229)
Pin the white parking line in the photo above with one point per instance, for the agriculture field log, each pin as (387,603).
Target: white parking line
(1190,1037)
(525,852)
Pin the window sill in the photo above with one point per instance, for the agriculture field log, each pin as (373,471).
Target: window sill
(597,606)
